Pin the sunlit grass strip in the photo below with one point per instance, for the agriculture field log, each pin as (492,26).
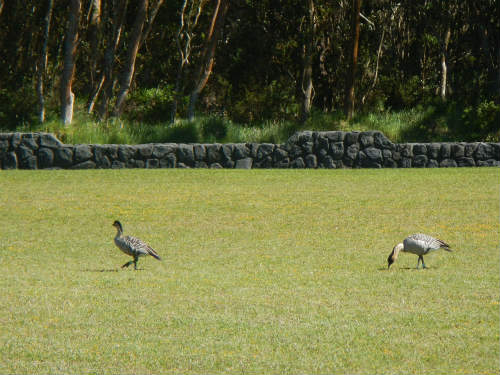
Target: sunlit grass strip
(263,271)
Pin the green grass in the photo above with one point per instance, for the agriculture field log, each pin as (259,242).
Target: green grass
(263,271)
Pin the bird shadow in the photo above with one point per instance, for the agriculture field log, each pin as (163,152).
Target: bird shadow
(101,270)
(405,268)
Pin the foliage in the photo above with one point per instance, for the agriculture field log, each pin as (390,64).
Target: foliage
(248,282)
(214,128)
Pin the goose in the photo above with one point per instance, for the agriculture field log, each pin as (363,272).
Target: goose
(132,246)
(418,244)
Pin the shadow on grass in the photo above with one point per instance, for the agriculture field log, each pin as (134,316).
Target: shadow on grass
(100,270)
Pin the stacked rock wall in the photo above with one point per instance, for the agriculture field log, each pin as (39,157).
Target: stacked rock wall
(306,149)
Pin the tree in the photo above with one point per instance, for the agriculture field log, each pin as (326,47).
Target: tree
(307,58)
(208,55)
(42,62)
(128,72)
(70,46)
(351,75)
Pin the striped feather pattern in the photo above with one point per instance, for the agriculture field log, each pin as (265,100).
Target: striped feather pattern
(420,244)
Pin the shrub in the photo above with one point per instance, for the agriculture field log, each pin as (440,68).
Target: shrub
(214,128)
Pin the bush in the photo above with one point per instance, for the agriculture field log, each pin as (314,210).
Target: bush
(214,128)
(150,105)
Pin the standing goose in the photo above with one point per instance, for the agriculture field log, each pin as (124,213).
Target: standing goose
(418,244)
(132,246)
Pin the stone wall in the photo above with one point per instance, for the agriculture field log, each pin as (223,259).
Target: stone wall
(303,150)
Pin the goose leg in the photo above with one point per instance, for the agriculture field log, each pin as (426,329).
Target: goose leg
(135,262)
(423,264)
(127,264)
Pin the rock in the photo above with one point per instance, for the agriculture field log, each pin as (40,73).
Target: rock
(366,139)
(117,165)
(241,151)
(125,153)
(484,151)
(352,151)
(419,149)
(279,154)
(152,163)
(185,154)
(457,150)
(215,166)
(48,140)
(307,148)
(213,153)
(337,150)
(30,140)
(335,136)
(10,160)
(447,163)
(351,138)
(15,140)
(245,163)
(432,163)
(63,157)
(311,161)
(470,148)
(420,161)
(89,164)
(405,162)
(466,162)
(433,150)
(298,163)
(445,151)
(160,150)
(45,158)
(328,162)
(144,151)
(200,152)
(82,153)
(382,142)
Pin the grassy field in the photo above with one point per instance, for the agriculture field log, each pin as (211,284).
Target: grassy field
(263,271)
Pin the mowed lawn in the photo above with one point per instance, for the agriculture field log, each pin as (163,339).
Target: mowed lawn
(263,271)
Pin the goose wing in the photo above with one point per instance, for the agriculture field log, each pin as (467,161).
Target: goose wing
(141,247)
(425,242)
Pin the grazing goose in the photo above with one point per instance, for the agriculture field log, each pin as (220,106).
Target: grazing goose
(418,244)
(132,246)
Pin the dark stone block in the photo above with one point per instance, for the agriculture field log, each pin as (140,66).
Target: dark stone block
(140,163)
(488,163)
(82,153)
(382,142)
(305,136)
(294,151)
(30,140)
(265,150)
(4,147)
(125,153)
(484,151)
(386,154)
(337,150)
(200,164)
(322,143)
(390,163)
(23,153)
(63,157)
(351,138)
(338,164)
(311,161)
(200,152)
(170,161)
(117,165)
(374,154)
(335,136)
(470,148)
(100,156)
(45,158)
(28,163)
(328,163)
(445,151)
(433,150)
(48,140)
(466,162)
(447,163)
(229,164)
(366,139)
(213,153)
(215,166)
(227,153)
(298,163)
(279,154)
(432,163)
(308,147)
(89,164)
(352,151)
(245,163)
(160,150)
(9,160)
(419,149)
(241,151)
(396,155)
(457,150)
(185,154)
(15,140)
(152,163)
(405,162)
(420,161)
(144,151)
(254,147)
(406,150)
(496,150)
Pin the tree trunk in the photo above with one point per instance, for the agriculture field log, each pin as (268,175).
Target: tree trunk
(70,44)
(351,75)
(93,29)
(208,55)
(105,83)
(444,68)
(128,73)
(307,58)
(42,62)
